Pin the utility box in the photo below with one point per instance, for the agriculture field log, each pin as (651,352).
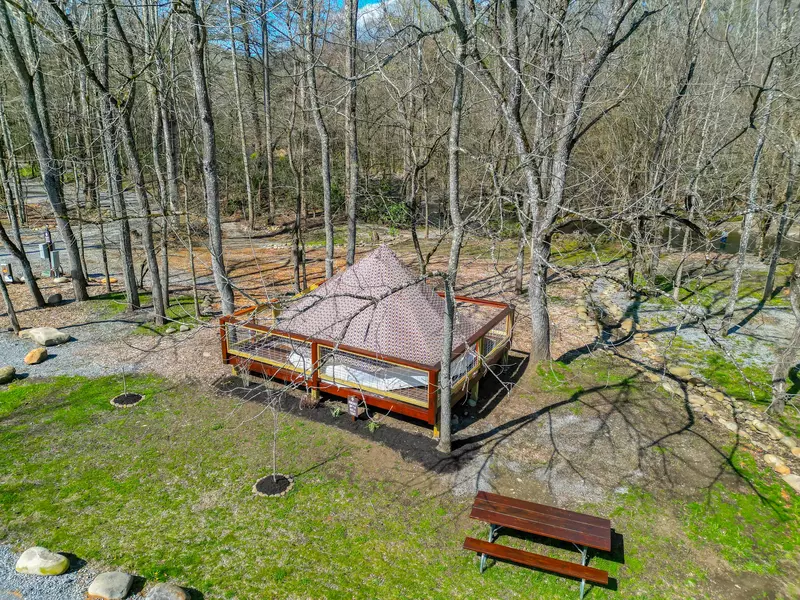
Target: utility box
(6,273)
(55,262)
(44,252)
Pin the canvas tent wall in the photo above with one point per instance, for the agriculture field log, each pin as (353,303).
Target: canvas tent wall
(373,330)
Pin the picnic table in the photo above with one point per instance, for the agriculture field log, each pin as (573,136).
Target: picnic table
(585,532)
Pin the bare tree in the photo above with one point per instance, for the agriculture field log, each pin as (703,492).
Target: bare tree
(12,315)
(310,66)
(197,39)
(351,129)
(48,165)
(251,210)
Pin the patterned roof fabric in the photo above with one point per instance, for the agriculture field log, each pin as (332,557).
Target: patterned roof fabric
(380,306)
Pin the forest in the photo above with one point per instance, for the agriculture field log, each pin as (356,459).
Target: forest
(582,216)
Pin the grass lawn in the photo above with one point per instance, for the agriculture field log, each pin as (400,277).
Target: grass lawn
(164,490)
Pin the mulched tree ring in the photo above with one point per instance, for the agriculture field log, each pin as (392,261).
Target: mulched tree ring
(126,400)
(274,486)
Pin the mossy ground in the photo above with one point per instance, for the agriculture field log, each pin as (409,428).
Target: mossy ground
(164,490)
(180,311)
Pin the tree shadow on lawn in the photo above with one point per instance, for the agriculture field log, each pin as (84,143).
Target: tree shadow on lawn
(664,441)
(415,447)
(675,448)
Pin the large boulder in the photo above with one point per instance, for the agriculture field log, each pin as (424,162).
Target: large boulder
(36,356)
(45,336)
(167,591)
(113,585)
(7,374)
(40,561)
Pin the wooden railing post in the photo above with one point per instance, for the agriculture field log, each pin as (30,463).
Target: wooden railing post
(314,385)
(223,336)
(433,401)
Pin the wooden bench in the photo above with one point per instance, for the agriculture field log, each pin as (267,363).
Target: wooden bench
(585,532)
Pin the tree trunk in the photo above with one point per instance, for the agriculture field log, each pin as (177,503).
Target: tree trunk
(537,296)
(249,78)
(90,199)
(322,132)
(18,252)
(298,89)
(752,207)
(788,358)
(120,210)
(15,178)
(12,315)
(190,246)
(251,210)
(267,113)
(791,178)
(197,46)
(351,130)
(454,164)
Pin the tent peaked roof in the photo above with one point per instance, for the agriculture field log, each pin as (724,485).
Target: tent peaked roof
(378,305)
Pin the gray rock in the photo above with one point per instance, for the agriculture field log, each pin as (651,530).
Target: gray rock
(40,561)
(45,336)
(790,443)
(184,328)
(759,426)
(671,387)
(793,481)
(113,585)
(54,299)
(7,374)
(167,591)
(61,280)
(681,372)
(774,433)
(170,330)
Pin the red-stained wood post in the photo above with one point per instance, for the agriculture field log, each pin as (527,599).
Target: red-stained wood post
(223,336)
(433,401)
(314,385)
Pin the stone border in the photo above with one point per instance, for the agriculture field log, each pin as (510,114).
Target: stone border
(114,403)
(279,495)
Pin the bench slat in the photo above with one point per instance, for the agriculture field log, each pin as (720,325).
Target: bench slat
(537,561)
(556,533)
(544,509)
(561,521)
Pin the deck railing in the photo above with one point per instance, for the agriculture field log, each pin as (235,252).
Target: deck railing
(251,340)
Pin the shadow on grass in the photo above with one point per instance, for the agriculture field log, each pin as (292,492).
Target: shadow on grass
(417,447)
